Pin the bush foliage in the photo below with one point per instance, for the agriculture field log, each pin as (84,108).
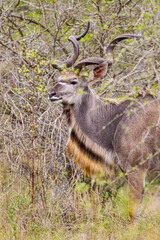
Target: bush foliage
(43,195)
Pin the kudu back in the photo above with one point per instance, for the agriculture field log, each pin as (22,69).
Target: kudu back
(105,136)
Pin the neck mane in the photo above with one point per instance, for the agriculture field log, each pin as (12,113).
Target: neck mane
(92,125)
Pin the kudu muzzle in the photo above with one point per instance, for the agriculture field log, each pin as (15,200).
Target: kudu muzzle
(53,94)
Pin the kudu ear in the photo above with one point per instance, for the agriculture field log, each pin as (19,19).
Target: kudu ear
(100,70)
(103,63)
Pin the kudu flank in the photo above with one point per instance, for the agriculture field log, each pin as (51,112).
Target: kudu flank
(124,135)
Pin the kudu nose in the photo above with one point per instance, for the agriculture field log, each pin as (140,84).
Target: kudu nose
(51,95)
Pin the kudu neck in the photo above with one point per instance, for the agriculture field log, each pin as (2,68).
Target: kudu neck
(92,124)
(96,119)
(72,112)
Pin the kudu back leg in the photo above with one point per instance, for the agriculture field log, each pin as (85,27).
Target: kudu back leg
(136,181)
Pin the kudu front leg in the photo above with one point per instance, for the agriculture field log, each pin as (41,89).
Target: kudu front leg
(136,181)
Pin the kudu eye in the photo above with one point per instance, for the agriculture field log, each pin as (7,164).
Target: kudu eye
(74,82)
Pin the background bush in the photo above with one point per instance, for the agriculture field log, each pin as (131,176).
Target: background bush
(42,192)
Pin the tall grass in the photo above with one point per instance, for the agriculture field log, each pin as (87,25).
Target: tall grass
(78,213)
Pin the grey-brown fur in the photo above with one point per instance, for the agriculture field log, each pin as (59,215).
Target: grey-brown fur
(104,136)
(127,132)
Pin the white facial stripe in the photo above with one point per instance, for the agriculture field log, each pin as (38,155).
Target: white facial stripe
(62,83)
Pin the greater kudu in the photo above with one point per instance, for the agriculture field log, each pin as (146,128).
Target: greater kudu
(126,135)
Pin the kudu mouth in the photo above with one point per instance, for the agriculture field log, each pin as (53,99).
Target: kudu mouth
(53,98)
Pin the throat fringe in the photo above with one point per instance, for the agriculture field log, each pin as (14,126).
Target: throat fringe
(87,154)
